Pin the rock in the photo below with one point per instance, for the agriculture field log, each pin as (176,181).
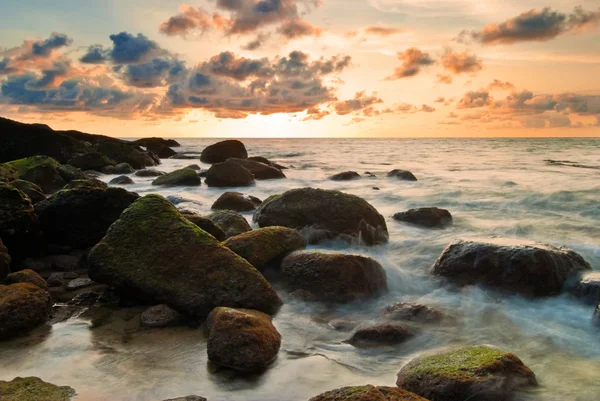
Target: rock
(23,306)
(596,317)
(194,167)
(33,389)
(242,339)
(368,393)
(345,176)
(86,298)
(334,277)
(588,288)
(146,142)
(402,175)
(163,152)
(27,276)
(479,373)
(121,180)
(8,173)
(266,246)
(91,161)
(259,170)
(376,188)
(236,201)
(380,334)
(42,171)
(79,218)
(232,223)
(221,151)
(182,177)
(266,161)
(160,316)
(206,224)
(413,312)
(5,261)
(34,192)
(155,254)
(149,172)
(188,398)
(78,283)
(125,153)
(107,170)
(19,225)
(64,263)
(70,173)
(426,217)
(228,174)
(124,168)
(87,183)
(327,213)
(527,268)
(185,156)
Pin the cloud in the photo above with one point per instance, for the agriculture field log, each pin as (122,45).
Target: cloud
(192,19)
(496,84)
(384,31)
(55,41)
(444,79)
(158,72)
(256,43)
(474,99)
(126,49)
(361,101)
(297,28)
(439,100)
(413,60)
(459,63)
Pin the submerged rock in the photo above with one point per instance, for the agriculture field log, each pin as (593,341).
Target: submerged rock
(182,177)
(155,254)
(160,316)
(380,334)
(206,224)
(41,170)
(345,176)
(149,172)
(426,217)
(23,306)
(259,170)
(5,261)
(528,268)
(236,201)
(33,389)
(221,151)
(368,393)
(91,161)
(334,277)
(412,312)
(232,223)
(121,180)
(228,174)
(479,373)
(588,288)
(34,192)
(27,276)
(242,339)
(402,175)
(328,213)
(19,225)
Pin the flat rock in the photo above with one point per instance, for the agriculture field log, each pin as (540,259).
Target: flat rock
(182,177)
(588,288)
(345,176)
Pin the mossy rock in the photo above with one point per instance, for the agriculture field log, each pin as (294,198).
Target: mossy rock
(92,183)
(27,276)
(125,153)
(242,339)
(41,170)
(91,161)
(232,223)
(266,246)
(205,224)
(155,254)
(228,174)
(8,173)
(34,192)
(33,389)
(23,307)
(260,171)
(181,177)
(221,151)
(368,393)
(480,373)
(324,214)
(236,201)
(5,261)
(70,173)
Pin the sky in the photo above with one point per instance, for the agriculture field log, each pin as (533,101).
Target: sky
(303,68)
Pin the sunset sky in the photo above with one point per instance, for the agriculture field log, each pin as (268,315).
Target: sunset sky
(298,68)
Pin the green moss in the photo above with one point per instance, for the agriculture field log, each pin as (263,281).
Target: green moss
(33,389)
(28,163)
(8,173)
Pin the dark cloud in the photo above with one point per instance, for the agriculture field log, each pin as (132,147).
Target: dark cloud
(55,41)
(158,72)
(427,109)
(95,54)
(128,48)
(496,84)
(413,60)
(254,44)
(459,63)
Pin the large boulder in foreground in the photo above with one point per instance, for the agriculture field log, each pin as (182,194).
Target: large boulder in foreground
(368,393)
(325,213)
(241,339)
(79,218)
(19,225)
(429,217)
(153,253)
(478,373)
(5,261)
(232,223)
(43,171)
(236,201)
(260,171)
(181,177)
(221,151)
(333,277)
(23,306)
(528,268)
(33,389)
(266,246)
(228,174)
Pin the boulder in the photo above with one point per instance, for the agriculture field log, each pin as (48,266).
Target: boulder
(5,261)
(412,312)
(23,306)
(34,192)
(266,161)
(194,167)
(259,170)
(479,373)
(345,176)
(33,389)
(42,171)
(241,339)
(163,152)
(79,218)
(160,316)
(125,153)
(228,174)
(427,217)
(146,142)
(121,180)
(334,277)
(232,223)
(181,177)
(8,173)
(380,335)
(266,246)
(90,183)
(70,173)
(221,151)
(402,175)
(27,276)
(106,170)
(368,393)
(185,156)
(155,254)
(588,288)
(123,168)
(528,268)
(236,201)
(19,225)
(149,172)
(206,224)
(91,161)
(325,214)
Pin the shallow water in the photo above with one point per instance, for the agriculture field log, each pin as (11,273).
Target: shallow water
(493,187)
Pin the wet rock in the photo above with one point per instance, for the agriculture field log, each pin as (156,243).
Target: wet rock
(266,246)
(79,218)
(155,254)
(146,142)
(345,176)
(368,393)
(206,224)
(106,170)
(19,225)
(34,192)
(413,312)
(369,174)
(259,170)
(23,306)
(124,168)
(149,172)
(232,223)
(5,261)
(236,201)
(479,373)
(163,152)
(328,213)
(33,389)
(266,161)
(41,170)
(125,153)
(376,188)
(402,175)
(182,177)
(380,335)
(91,161)
(27,276)
(87,183)
(185,156)
(242,339)
(188,398)
(588,288)
(79,283)
(228,174)
(85,298)
(121,180)
(160,316)
(221,151)
(70,173)
(334,277)
(427,217)
(527,268)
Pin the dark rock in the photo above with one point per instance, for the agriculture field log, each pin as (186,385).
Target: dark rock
(155,254)
(413,312)
(5,261)
(91,161)
(266,161)
(160,316)
(27,276)
(588,288)
(146,142)
(596,317)
(124,168)
(426,217)
(149,173)
(70,173)
(121,180)
(236,201)
(331,213)
(402,175)
(221,151)
(368,393)
(206,224)
(194,167)
(163,152)
(8,173)
(228,174)
(34,192)
(380,334)
(334,277)
(23,306)
(345,176)
(64,263)
(19,225)
(232,223)
(79,283)
(182,177)
(188,398)
(528,268)
(185,156)
(260,171)
(369,174)
(33,389)
(109,170)
(125,153)
(479,373)
(86,298)
(376,188)
(242,339)
(87,183)
(42,171)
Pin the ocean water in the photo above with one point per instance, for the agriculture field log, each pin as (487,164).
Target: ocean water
(493,188)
